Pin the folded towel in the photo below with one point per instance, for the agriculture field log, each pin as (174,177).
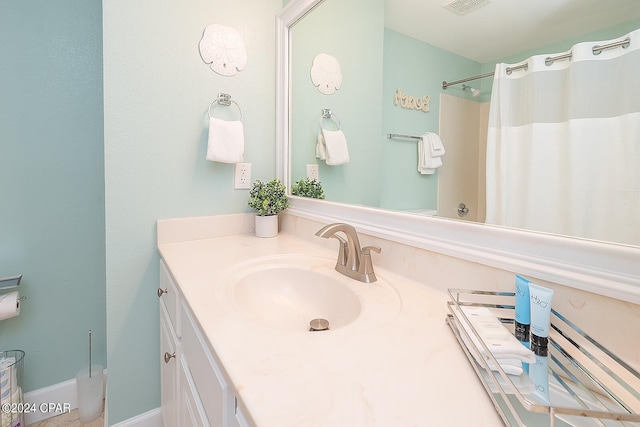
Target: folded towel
(427,163)
(321,149)
(226,141)
(435,145)
(505,348)
(332,147)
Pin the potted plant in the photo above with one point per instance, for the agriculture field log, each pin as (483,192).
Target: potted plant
(268,199)
(308,188)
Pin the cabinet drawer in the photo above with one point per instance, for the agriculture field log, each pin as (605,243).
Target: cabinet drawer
(207,376)
(168,294)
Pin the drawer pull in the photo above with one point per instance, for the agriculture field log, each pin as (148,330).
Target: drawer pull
(168,357)
(162,291)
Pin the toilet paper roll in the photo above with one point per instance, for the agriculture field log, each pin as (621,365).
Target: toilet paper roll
(9,305)
(8,378)
(15,397)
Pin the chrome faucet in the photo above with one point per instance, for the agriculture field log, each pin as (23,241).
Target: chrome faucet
(353,261)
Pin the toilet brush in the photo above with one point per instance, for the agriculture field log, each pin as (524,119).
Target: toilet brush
(90,387)
(89,353)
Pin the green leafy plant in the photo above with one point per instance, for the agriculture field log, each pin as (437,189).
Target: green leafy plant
(268,198)
(308,188)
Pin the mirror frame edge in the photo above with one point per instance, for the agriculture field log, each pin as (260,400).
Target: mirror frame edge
(607,269)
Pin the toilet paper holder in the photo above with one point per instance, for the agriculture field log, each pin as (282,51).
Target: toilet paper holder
(11,282)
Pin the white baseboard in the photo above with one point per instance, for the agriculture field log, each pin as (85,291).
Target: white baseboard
(152,418)
(64,393)
(51,401)
(58,398)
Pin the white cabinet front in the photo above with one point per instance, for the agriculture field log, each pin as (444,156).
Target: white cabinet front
(168,372)
(194,390)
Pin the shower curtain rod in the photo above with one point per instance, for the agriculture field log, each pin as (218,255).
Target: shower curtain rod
(445,84)
(548,61)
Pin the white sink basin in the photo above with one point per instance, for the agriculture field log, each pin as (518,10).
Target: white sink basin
(286,292)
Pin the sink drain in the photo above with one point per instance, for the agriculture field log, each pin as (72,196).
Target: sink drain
(319,325)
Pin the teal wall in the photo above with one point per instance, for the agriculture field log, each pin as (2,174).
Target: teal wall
(419,69)
(156,93)
(52,183)
(355,37)
(375,62)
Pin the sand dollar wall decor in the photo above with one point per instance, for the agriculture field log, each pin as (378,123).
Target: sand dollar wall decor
(223,49)
(326,74)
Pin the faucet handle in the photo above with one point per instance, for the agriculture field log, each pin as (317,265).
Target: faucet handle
(367,250)
(366,265)
(343,250)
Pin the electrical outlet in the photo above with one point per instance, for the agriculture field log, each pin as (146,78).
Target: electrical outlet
(312,172)
(243,176)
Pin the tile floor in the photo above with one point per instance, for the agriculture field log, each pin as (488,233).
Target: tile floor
(70,419)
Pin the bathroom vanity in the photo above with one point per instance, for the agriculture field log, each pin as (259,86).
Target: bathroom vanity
(394,364)
(235,352)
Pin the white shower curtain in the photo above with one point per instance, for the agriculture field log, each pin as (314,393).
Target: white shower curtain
(563,146)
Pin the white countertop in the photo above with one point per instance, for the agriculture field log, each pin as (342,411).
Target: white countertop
(407,372)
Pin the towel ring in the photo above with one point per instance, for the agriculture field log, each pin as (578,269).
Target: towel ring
(328,114)
(224,99)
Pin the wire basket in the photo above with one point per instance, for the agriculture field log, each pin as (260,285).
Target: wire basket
(583,383)
(11,397)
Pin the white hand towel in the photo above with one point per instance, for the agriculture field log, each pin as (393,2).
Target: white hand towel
(427,164)
(435,145)
(336,147)
(226,141)
(321,148)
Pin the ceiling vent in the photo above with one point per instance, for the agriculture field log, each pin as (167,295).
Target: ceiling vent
(462,7)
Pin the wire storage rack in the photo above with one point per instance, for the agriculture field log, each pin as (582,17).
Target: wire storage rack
(583,383)
(11,397)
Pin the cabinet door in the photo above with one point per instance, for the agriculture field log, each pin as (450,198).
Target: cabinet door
(168,371)
(239,420)
(191,412)
(207,375)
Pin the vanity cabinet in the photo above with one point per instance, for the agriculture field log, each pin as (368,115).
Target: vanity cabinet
(168,295)
(195,391)
(191,411)
(168,370)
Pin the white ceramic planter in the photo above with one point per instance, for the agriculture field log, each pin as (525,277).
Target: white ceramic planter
(266,226)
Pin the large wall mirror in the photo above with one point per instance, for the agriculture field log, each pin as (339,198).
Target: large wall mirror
(390,48)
